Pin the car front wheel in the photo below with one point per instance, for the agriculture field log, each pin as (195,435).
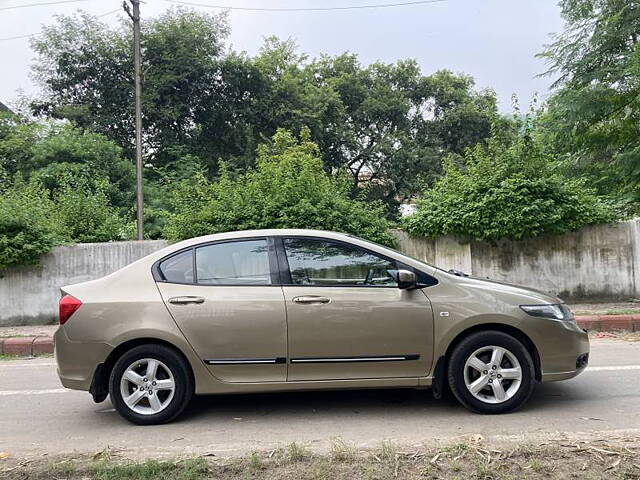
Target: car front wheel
(491,372)
(150,384)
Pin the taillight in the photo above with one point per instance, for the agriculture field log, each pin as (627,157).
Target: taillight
(68,305)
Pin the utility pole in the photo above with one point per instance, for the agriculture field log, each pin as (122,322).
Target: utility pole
(135,17)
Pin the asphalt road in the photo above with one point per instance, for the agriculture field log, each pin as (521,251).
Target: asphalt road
(38,416)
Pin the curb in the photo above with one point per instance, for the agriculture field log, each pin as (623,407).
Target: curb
(26,346)
(609,323)
(29,346)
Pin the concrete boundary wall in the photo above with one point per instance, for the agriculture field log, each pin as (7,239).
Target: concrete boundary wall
(29,295)
(597,262)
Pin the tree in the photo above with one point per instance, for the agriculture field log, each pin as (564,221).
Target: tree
(507,189)
(594,116)
(387,125)
(288,189)
(58,184)
(57,153)
(86,71)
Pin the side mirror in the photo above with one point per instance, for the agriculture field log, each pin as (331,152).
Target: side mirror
(405,279)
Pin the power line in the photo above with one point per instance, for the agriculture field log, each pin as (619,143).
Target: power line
(43,3)
(307,9)
(40,33)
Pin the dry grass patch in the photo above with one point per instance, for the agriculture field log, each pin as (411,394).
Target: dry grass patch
(468,460)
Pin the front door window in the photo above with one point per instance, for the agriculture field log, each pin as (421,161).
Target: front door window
(327,263)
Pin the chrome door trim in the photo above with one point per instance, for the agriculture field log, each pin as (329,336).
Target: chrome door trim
(245,361)
(377,358)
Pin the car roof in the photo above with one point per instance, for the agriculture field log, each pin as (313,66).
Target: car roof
(261,233)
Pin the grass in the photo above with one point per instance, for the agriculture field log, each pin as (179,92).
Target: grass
(342,451)
(190,469)
(623,311)
(7,356)
(462,460)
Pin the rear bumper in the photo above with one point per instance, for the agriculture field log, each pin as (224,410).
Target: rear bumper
(77,361)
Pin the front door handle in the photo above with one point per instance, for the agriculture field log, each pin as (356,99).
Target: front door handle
(311,299)
(186,300)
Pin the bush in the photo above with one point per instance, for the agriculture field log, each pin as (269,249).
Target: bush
(288,189)
(31,223)
(86,216)
(507,189)
(28,228)
(52,153)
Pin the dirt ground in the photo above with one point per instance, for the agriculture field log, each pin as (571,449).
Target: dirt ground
(28,331)
(469,458)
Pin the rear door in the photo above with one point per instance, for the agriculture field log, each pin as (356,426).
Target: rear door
(226,299)
(346,317)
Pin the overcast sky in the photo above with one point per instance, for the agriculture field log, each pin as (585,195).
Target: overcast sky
(493,40)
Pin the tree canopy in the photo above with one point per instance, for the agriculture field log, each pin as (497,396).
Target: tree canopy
(387,125)
(593,119)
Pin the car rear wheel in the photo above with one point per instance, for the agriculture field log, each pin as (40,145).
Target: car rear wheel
(491,372)
(150,384)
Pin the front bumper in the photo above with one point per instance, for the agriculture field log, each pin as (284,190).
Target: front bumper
(564,351)
(77,361)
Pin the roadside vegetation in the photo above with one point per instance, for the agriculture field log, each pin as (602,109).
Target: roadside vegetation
(279,139)
(472,459)
(287,189)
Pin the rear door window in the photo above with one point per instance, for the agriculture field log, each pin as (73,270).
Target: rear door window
(178,268)
(234,263)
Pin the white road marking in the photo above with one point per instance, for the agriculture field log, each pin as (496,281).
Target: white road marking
(6,393)
(613,368)
(10,364)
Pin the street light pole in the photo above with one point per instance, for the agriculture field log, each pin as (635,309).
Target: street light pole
(135,17)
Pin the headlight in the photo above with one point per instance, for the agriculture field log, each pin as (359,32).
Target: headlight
(555,312)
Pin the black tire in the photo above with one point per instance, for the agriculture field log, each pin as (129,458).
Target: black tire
(479,340)
(182,379)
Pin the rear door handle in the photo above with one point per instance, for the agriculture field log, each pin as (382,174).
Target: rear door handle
(186,300)
(311,299)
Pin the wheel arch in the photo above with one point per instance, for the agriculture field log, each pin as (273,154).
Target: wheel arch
(500,327)
(99,388)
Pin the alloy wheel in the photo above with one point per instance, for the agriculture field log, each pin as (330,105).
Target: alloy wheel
(147,386)
(492,374)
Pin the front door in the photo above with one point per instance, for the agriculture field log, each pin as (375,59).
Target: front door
(346,317)
(228,305)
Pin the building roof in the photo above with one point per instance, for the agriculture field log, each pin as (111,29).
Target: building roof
(4,108)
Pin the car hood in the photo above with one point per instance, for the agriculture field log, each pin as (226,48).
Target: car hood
(530,294)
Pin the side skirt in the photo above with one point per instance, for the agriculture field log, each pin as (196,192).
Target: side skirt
(261,387)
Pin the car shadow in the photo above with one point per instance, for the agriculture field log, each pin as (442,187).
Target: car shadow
(371,401)
(333,401)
